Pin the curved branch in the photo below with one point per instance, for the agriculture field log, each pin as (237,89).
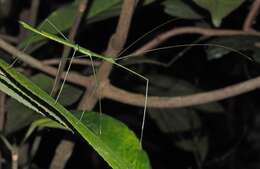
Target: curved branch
(251,15)
(72,77)
(190,30)
(111,92)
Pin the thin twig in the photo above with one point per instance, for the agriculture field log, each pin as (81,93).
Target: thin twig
(251,15)
(34,11)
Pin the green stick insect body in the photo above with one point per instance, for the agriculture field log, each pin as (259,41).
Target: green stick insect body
(66,43)
(77,47)
(93,54)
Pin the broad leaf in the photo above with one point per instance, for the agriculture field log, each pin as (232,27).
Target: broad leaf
(219,9)
(114,133)
(20,88)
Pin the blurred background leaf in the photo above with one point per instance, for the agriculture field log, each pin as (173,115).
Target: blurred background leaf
(219,9)
(179,8)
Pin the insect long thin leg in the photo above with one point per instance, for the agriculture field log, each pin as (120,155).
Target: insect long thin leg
(95,90)
(23,50)
(62,61)
(66,74)
(145,101)
(96,87)
(147,33)
(56,29)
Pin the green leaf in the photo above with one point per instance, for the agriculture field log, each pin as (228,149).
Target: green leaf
(17,86)
(219,9)
(114,133)
(180,9)
(42,122)
(118,137)
(22,116)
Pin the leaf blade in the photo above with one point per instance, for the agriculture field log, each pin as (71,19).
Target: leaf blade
(37,97)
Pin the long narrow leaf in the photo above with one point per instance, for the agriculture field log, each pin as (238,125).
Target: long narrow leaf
(26,92)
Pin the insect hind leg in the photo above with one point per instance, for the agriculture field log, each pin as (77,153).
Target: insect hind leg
(145,100)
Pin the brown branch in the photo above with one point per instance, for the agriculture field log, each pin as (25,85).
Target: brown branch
(13,149)
(115,45)
(34,12)
(72,77)
(251,15)
(111,92)
(10,39)
(62,154)
(118,39)
(190,30)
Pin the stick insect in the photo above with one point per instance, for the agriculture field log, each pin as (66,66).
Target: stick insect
(91,54)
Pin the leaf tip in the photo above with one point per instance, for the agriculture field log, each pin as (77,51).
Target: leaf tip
(216,22)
